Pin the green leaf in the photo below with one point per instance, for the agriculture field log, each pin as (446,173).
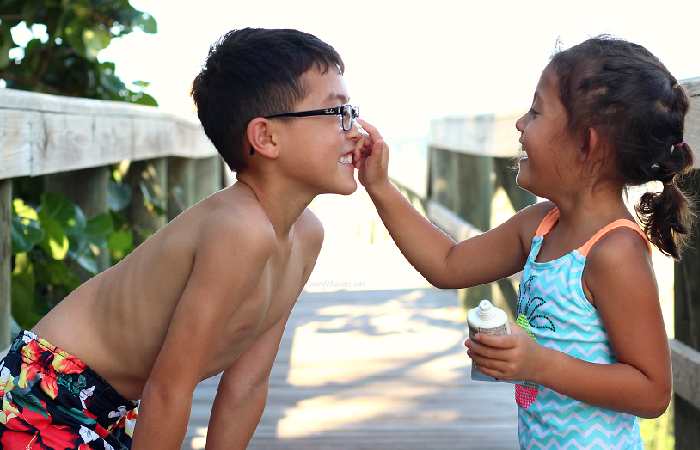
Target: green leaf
(151,200)
(118,195)
(99,227)
(55,241)
(5,46)
(72,33)
(88,262)
(25,234)
(61,274)
(144,99)
(57,207)
(120,243)
(22,294)
(147,23)
(95,40)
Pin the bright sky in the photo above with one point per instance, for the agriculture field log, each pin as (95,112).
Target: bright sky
(408,64)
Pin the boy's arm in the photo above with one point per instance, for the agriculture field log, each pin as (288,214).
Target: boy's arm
(490,256)
(242,391)
(227,267)
(622,282)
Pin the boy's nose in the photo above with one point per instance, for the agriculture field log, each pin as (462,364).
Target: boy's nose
(520,123)
(355,132)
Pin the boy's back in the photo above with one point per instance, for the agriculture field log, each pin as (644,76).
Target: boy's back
(130,306)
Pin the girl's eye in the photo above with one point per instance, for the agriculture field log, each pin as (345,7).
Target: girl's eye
(532,112)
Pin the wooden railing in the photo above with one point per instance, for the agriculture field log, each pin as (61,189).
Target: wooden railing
(71,143)
(470,157)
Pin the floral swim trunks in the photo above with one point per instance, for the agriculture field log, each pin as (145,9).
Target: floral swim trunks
(52,400)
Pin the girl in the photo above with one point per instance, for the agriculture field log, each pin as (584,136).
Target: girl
(591,351)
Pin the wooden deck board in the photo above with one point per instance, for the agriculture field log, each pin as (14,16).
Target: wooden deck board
(372,356)
(347,377)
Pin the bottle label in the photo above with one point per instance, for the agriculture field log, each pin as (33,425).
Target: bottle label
(476,374)
(503,329)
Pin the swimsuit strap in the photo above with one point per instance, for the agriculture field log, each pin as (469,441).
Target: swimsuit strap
(548,222)
(626,223)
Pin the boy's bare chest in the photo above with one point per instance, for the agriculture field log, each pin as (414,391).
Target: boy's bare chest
(273,298)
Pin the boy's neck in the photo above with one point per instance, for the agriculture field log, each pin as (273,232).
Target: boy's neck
(282,205)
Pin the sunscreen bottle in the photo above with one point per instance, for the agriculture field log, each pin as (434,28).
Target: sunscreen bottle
(486,319)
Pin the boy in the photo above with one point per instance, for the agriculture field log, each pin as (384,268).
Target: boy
(212,290)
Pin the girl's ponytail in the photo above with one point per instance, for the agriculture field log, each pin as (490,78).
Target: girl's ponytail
(667,216)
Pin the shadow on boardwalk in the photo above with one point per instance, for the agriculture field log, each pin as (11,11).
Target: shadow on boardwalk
(375,370)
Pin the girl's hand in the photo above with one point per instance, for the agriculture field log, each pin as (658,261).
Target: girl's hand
(507,357)
(372,161)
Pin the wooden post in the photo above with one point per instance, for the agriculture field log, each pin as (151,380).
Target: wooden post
(148,213)
(190,180)
(5,261)
(505,177)
(505,174)
(439,180)
(473,190)
(207,178)
(687,324)
(181,172)
(88,189)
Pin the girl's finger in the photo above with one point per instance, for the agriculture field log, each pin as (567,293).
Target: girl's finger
(497,341)
(492,373)
(484,351)
(491,364)
(371,130)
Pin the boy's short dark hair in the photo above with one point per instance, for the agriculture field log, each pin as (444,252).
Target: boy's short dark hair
(254,72)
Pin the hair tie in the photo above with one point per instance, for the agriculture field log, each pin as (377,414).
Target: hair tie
(681,144)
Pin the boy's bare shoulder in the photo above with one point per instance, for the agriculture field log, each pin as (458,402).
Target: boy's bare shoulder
(237,225)
(310,231)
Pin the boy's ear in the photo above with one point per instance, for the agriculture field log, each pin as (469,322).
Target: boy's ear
(262,137)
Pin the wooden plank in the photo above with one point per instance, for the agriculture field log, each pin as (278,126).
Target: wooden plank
(692,119)
(686,372)
(495,134)
(5,261)
(42,134)
(686,308)
(483,134)
(351,374)
(450,223)
(20,132)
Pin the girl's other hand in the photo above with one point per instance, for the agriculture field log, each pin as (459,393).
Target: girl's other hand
(507,357)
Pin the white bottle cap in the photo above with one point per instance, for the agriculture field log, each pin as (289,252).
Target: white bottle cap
(485,308)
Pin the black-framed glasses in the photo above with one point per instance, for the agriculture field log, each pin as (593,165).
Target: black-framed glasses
(347,114)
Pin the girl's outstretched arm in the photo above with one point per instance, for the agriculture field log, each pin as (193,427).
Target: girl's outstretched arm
(621,280)
(490,256)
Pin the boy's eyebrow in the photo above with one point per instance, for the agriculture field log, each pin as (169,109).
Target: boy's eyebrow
(342,97)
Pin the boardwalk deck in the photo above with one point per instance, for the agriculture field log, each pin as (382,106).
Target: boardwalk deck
(372,358)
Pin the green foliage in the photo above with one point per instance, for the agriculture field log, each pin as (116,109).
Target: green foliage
(658,433)
(61,55)
(54,245)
